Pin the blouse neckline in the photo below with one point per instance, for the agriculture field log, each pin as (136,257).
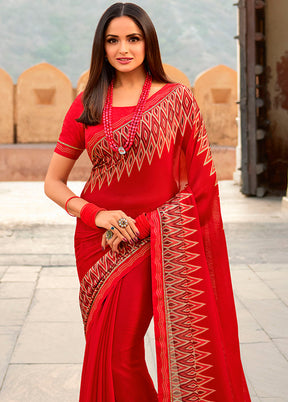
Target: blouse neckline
(148,99)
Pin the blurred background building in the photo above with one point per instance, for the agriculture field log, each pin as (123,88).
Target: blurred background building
(263,76)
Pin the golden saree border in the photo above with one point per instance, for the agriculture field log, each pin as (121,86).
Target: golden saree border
(105,274)
(183,362)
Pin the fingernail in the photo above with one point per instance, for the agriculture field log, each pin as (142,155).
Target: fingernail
(138,233)
(125,240)
(131,242)
(136,238)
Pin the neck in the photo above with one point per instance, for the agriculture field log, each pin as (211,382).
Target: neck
(131,79)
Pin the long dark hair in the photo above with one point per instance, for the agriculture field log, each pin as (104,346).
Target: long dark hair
(101,72)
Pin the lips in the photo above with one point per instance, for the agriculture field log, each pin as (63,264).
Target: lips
(124,60)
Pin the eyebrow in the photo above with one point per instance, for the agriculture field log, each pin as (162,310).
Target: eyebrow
(133,34)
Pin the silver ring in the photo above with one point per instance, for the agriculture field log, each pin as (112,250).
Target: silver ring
(123,223)
(109,234)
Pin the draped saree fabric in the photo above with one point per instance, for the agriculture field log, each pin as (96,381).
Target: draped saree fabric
(181,234)
(196,359)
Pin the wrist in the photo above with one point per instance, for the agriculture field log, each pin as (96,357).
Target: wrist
(88,214)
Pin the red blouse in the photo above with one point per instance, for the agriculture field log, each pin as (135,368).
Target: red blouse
(141,180)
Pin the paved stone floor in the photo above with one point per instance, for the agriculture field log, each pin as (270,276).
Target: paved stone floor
(41,335)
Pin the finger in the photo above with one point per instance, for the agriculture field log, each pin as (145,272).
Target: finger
(122,232)
(131,228)
(110,236)
(104,241)
(134,228)
(131,223)
(131,233)
(113,239)
(115,245)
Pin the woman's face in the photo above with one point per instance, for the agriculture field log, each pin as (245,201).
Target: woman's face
(124,45)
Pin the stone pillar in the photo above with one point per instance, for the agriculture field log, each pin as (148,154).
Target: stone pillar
(216,93)
(285,199)
(6,108)
(81,84)
(277,92)
(43,97)
(176,75)
(237,173)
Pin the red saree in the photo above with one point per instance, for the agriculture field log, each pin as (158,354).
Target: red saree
(196,334)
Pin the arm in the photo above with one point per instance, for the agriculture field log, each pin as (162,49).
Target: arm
(56,188)
(55,185)
(69,147)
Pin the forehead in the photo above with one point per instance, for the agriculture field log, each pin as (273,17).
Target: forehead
(122,26)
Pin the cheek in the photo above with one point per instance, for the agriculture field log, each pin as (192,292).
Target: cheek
(141,51)
(108,50)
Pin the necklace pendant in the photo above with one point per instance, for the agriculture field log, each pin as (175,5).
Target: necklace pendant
(121,150)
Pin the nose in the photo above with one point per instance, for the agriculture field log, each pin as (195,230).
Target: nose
(123,48)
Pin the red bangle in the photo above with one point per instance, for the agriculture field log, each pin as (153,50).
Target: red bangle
(66,203)
(88,214)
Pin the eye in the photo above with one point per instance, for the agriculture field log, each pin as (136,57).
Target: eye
(134,39)
(111,40)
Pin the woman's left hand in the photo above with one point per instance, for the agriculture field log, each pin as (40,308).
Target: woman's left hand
(116,235)
(113,243)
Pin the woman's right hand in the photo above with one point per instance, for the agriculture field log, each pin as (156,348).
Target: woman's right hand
(109,220)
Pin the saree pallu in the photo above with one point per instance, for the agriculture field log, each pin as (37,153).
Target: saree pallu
(195,324)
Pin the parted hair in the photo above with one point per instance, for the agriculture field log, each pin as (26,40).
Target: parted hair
(101,72)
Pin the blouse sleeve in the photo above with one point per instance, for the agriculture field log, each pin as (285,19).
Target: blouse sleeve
(71,142)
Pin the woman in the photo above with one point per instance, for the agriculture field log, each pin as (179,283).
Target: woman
(145,245)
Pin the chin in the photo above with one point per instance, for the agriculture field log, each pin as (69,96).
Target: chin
(127,69)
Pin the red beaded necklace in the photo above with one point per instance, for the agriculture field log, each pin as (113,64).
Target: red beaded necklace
(107,117)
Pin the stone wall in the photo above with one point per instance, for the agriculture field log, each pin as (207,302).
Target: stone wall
(44,93)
